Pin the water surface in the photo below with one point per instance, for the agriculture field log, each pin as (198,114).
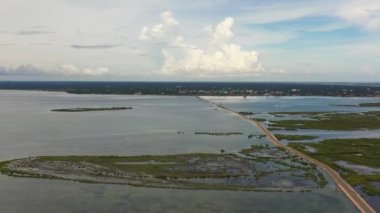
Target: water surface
(29,128)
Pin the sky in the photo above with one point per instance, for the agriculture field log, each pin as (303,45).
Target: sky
(198,40)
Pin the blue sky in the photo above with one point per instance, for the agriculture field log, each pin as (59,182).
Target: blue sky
(199,40)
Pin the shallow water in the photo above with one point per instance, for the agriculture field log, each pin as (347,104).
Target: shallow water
(29,128)
(265,105)
(33,195)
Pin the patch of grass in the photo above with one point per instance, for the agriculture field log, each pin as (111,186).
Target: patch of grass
(344,105)
(247,151)
(295,137)
(297,113)
(259,119)
(370,104)
(364,151)
(334,121)
(218,133)
(90,109)
(274,128)
(246,113)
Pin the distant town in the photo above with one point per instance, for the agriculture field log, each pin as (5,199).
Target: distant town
(202,88)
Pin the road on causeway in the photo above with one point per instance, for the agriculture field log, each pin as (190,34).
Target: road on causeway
(341,184)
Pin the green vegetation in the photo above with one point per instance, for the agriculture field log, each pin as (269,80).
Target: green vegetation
(333,121)
(90,109)
(370,104)
(344,105)
(297,113)
(246,113)
(248,151)
(274,128)
(218,133)
(295,137)
(185,171)
(363,152)
(256,136)
(259,119)
(289,163)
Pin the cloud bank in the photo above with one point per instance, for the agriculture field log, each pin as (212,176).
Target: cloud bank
(221,57)
(98,46)
(365,13)
(33,32)
(63,70)
(362,13)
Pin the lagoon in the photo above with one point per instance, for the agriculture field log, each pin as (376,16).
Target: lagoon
(29,128)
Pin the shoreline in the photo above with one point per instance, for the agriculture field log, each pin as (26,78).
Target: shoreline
(346,188)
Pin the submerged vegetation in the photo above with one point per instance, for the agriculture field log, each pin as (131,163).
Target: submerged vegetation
(259,119)
(261,168)
(218,133)
(371,104)
(246,113)
(255,136)
(295,137)
(332,121)
(282,114)
(90,109)
(376,104)
(357,160)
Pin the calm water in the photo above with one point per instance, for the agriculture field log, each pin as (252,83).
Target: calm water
(264,105)
(29,128)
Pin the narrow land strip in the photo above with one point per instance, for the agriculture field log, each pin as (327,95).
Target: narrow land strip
(346,188)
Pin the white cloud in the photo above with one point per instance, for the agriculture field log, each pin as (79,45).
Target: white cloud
(221,57)
(62,70)
(71,70)
(21,70)
(160,31)
(365,13)
(281,11)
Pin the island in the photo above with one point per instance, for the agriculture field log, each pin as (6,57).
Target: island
(90,109)
(218,133)
(258,168)
(295,137)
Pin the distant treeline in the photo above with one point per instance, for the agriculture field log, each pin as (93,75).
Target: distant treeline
(199,88)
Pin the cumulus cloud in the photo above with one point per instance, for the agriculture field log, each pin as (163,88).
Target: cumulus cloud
(61,70)
(221,57)
(161,31)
